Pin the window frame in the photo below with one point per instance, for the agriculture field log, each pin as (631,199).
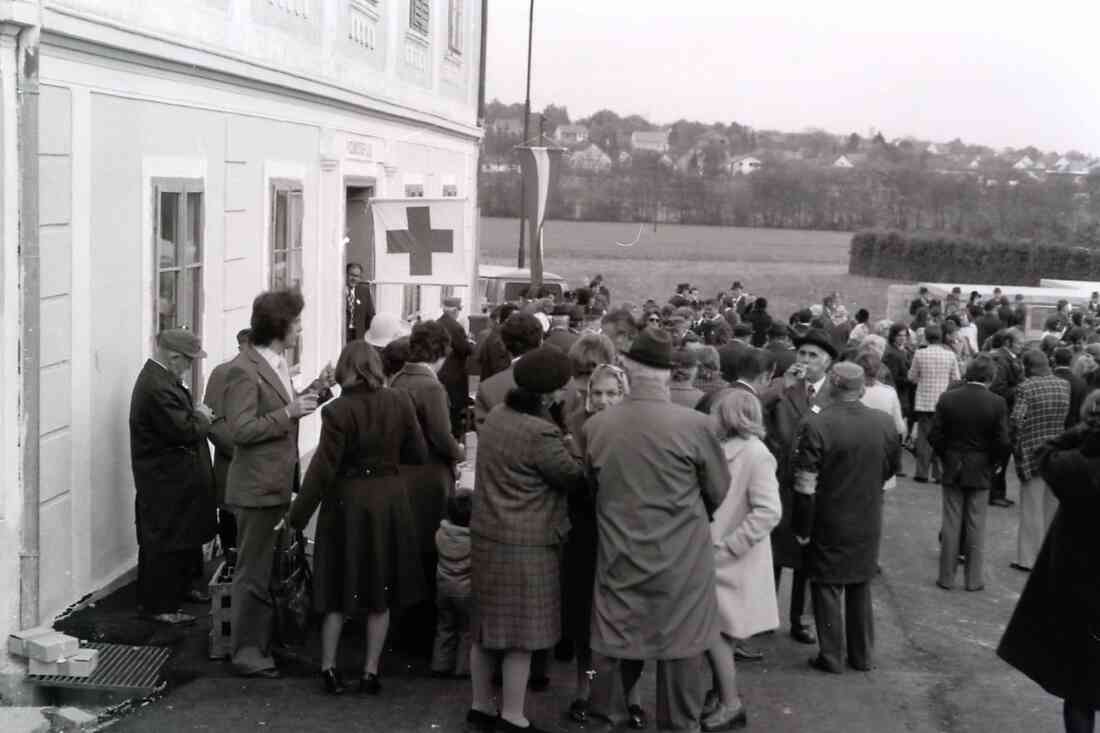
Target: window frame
(287,187)
(455,13)
(413,27)
(184,187)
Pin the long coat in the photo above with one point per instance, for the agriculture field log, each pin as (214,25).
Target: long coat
(847,451)
(740,530)
(453,375)
(174,507)
(661,473)
(1054,634)
(783,411)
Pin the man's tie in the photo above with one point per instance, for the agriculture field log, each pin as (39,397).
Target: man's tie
(810,392)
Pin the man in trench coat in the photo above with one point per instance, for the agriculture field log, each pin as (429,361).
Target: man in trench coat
(844,453)
(174,507)
(661,473)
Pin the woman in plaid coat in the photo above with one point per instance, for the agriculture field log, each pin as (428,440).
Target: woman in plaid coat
(525,470)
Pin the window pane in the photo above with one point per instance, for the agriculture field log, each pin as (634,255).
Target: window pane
(278,270)
(193,250)
(167,301)
(168,230)
(187,299)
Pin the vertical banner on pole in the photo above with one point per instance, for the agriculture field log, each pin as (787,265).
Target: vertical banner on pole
(541,167)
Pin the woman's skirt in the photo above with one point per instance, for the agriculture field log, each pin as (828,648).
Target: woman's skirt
(366,556)
(516,595)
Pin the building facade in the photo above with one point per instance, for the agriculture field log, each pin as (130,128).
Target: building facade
(183,156)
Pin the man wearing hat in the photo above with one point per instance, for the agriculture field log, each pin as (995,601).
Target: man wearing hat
(805,390)
(844,453)
(561,334)
(661,474)
(174,508)
(453,375)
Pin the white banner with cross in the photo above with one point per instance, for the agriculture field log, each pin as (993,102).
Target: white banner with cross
(420,241)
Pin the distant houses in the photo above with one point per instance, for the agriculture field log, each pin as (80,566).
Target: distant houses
(850,160)
(590,158)
(655,142)
(571,134)
(744,165)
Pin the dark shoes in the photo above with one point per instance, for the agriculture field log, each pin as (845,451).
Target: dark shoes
(1021,568)
(638,720)
(710,703)
(480,722)
(920,479)
(578,711)
(503,726)
(803,634)
(270,673)
(746,653)
(332,682)
(725,718)
(370,685)
(822,666)
(1001,502)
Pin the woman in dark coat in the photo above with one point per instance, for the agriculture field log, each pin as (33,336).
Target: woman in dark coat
(525,470)
(897,359)
(365,559)
(1054,634)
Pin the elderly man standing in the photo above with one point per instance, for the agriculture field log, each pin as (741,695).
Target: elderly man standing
(661,474)
(843,456)
(934,369)
(174,508)
(1038,415)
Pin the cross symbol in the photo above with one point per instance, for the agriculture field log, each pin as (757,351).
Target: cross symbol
(419,241)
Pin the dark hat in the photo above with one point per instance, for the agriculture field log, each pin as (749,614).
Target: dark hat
(181,341)
(452,302)
(817,337)
(543,370)
(736,285)
(653,348)
(742,329)
(805,315)
(779,330)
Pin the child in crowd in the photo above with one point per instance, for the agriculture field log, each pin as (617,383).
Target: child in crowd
(451,653)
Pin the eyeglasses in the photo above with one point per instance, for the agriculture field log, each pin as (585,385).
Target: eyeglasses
(653,319)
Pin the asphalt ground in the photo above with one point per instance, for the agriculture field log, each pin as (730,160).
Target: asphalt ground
(936,669)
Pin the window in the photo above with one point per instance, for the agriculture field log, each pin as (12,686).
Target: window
(450,186)
(420,16)
(411,302)
(414,190)
(286,250)
(177,239)
(454,27)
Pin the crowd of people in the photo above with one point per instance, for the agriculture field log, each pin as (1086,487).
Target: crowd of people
(643,475)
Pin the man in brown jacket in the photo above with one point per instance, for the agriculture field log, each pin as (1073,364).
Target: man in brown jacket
(262,410)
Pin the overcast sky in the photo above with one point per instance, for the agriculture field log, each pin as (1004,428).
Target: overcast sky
(1001,73)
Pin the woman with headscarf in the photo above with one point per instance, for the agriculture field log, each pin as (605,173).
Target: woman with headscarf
(607,386)
(1054,634)
(365,557)
(525,470)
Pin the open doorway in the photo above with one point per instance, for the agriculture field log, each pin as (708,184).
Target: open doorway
(359,250)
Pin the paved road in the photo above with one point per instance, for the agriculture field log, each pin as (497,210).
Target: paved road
(936,668)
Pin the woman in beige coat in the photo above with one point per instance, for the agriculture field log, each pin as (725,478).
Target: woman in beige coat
(742,554)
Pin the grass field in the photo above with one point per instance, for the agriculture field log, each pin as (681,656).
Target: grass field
(791,268)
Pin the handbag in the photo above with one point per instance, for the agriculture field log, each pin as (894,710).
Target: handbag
(292,587)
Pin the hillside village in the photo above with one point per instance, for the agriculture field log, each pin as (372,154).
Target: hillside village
(629,169)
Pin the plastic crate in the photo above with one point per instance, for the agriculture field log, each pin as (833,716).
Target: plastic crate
(221,613)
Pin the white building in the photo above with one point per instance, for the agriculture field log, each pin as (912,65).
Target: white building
(188,155)
(590,158)
(656,142)
(745,164)
(571,134)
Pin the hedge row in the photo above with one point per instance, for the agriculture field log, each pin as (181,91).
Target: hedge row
(943,258)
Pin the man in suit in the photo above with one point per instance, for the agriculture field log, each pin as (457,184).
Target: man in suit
(222,440)
(989,324)
(921,301)
(491,355)
(730,353)
(780,347)
(561,334)
(174,504)
(358,303)
(1007,344)
(453,375)
(520,333)
(844,454)
(754,370)
(262,409)
(805,390)
(712,327)
(1078,387)
(970,435)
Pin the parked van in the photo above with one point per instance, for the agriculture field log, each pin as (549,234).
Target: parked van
(498,284)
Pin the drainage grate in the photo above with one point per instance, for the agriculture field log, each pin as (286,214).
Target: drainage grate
(121,668)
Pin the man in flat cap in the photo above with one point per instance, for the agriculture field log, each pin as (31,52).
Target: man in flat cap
(174,509)
(453,375)
(843,455)
(661,474)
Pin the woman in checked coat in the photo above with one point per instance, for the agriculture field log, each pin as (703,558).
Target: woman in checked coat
(525,470)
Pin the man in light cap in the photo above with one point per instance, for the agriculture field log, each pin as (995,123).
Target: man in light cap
(661,474)
(843,455)
(453,375)
(174,509)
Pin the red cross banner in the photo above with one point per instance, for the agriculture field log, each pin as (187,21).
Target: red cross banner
(540,176)
(420,241)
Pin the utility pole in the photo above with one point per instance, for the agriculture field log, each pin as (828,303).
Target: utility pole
(520,259)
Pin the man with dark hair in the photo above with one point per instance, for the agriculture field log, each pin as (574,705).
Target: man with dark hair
(262,410)
(1078,387)
(843,456)
(222,440)
(761,321)
(1009,375)
(174,481)
(970,435)
(453,375)
(358,303)
(934,369)
(619,326)
(1038,415)
(921,301)
(521,333)
(988,324)
(562,334)
(731,352)
(780,348)
(712,327)
(753,368)
(492,357)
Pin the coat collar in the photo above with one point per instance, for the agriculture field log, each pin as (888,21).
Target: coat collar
(266,372)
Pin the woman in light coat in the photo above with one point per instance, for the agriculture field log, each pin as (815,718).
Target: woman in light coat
(742,554)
